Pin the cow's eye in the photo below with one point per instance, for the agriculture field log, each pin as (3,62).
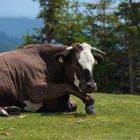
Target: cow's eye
(81,48)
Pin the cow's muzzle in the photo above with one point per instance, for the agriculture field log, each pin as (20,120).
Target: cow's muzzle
(89,87)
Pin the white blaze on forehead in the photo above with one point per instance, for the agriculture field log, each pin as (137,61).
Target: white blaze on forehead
(32,107)
(86,59)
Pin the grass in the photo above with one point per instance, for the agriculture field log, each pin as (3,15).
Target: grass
(118,118)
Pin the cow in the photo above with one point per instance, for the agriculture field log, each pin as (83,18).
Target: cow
(41,78)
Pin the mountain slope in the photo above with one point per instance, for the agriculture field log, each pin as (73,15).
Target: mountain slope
(13,29)
(17,27)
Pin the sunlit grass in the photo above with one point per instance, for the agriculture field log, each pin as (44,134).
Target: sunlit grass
(118,118)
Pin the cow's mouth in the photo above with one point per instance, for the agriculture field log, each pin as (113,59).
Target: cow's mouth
(88,88)
(85,88)
(88,91)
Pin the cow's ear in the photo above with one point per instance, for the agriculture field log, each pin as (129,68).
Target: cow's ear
(98,57)
(59,58)
(97,54)
(63,56)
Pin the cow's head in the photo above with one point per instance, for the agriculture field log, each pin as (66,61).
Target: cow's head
(79,60)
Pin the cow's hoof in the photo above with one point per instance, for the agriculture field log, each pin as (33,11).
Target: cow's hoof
(90,110)
(3,113)
(72,107)
(13,110)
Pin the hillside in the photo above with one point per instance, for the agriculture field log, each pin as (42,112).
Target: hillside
(17,27)
(8,43)
(118,118)
(13,29)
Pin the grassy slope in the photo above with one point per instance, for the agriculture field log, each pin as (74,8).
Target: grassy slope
(118,118)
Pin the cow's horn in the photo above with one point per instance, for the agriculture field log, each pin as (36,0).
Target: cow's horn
(95,49)
(69,48)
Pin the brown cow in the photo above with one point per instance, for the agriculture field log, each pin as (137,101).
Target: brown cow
(41,78)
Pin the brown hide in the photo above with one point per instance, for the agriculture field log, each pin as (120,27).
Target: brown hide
(21,72)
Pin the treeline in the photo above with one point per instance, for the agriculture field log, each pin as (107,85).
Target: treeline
(110,25)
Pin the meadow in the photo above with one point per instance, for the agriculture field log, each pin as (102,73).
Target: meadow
(118,118)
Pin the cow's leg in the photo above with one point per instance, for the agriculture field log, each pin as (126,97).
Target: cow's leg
(88,101)
(13,110)
(10,110)
(64,104)
(58,90)
(61,104)
(3,112)
(8,102)
(70,105)
(53,91)
(50,94)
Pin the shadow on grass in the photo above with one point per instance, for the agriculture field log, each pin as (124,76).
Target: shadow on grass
(70,114)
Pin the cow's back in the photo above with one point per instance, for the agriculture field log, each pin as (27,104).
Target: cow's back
(19,70)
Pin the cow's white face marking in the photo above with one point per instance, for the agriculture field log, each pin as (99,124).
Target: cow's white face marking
(76,81)
(32,107)
(86,59)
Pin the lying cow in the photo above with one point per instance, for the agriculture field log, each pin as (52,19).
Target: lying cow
(41,78)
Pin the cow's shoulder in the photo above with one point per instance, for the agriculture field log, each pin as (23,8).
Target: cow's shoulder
(50,45)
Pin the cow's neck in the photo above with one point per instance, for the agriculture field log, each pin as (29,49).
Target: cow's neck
(56,71)
(50,51)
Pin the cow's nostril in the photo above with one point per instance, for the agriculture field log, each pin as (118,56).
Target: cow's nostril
(91,86)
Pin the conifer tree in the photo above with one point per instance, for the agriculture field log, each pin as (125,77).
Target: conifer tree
(62,23)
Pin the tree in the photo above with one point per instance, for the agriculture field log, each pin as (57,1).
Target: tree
(101,23)
(63,23)
(128,14)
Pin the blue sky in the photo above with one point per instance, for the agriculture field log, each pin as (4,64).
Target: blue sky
(23,8)
(20,8)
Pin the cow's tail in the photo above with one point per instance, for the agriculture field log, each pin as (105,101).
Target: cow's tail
(9,110)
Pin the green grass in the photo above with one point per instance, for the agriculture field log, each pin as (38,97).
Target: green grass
(118,118)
